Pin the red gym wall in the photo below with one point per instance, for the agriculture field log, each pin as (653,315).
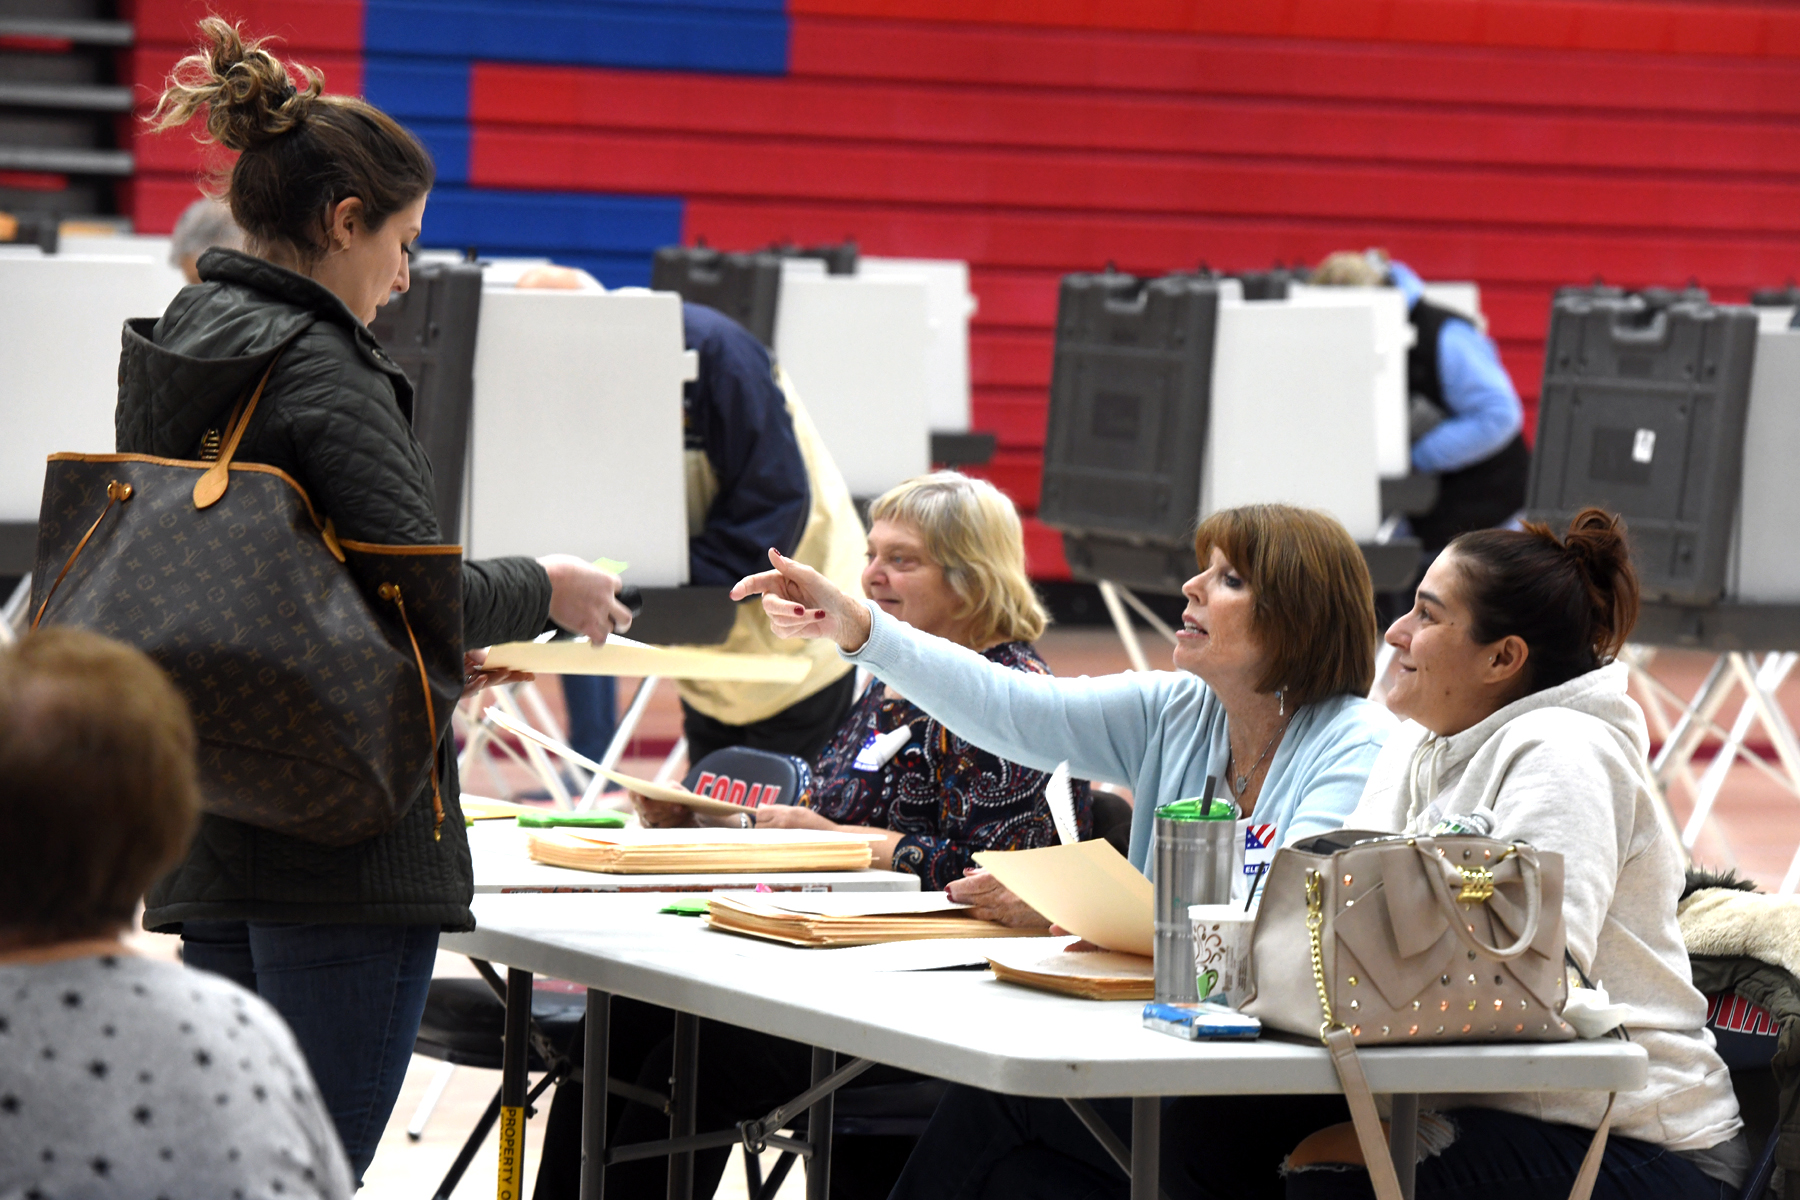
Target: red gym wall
(1521,144)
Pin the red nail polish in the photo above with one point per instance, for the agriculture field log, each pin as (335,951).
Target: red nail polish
(820,614)
(798,611)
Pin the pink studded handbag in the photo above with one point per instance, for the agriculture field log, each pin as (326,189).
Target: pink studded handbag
(1373,939)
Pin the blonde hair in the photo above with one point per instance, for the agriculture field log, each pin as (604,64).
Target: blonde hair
(1352,268)
(972,531)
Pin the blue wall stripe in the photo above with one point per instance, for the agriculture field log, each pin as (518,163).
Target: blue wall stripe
(644,36)
(448,142)
(612,236)
(410,88)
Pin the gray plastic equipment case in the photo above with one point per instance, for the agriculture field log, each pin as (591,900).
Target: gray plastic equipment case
(745,287)
(1643,413)
(430,331)
(1129,399)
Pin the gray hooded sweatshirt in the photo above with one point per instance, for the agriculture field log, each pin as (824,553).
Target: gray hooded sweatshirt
(1566,769)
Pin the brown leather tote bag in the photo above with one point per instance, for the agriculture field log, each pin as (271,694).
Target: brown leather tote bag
(321,673)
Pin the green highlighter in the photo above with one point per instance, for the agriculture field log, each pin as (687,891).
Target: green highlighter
(549,820)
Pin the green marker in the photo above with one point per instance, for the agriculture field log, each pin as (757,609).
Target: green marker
(550,820)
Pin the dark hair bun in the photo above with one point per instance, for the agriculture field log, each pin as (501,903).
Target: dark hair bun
(247,93)
(1596,544)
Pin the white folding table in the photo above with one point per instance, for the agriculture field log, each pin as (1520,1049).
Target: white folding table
(961,1026)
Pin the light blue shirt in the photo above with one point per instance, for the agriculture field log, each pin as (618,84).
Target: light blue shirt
(1485,413)
(1161,733)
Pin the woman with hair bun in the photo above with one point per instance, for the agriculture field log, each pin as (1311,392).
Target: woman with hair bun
(1517,717)
(330,193)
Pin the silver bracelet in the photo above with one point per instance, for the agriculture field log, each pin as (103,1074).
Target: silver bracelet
(744,821)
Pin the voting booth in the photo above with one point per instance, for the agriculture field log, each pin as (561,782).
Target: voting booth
(430,330)
(1389,393)
(856,350)
(61,318)
(745,287)
(1643,413)
(576,443)
(1171,398)
(949,307)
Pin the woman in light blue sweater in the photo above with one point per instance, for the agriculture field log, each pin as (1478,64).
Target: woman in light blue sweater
(1276,655)
(1275,658)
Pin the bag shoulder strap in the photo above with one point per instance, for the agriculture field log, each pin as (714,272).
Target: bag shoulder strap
(1376,1156)
(211,486)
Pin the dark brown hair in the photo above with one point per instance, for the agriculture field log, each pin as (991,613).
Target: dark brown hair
(301,152)
(1573,600)
(1314,608)
(98,795)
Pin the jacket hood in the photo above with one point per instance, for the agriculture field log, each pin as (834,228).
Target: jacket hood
(180,374)
(1601,694)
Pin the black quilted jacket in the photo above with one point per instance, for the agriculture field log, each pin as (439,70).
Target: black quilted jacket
(336,415)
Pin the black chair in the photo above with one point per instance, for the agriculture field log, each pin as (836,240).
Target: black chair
(1747,1036)
(740,775)
(465,1025)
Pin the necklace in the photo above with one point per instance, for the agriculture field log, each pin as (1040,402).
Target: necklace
(1243,781)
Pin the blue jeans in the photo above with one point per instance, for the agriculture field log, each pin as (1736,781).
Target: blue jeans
(353,995)
(593,704)
(1505,1156)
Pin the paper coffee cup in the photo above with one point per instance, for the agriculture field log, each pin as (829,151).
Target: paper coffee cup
(1221,951)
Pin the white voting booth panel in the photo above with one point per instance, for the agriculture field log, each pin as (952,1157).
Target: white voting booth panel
(856,349)
(949,308)
(1394,336)
(1765,567)
(61,319)
(576,442)
(1291,417)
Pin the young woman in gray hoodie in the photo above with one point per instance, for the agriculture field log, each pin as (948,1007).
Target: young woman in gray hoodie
(1515,708)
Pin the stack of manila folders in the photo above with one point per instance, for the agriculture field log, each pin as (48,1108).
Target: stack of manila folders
(1086,888)
(634,851)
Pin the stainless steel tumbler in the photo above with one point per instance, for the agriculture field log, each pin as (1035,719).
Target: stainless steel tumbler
(1195,859)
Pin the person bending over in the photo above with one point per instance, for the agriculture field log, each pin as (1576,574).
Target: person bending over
(1514,707)
(1467,421)
(331,193)
(120,1075)
(1276,653)
(946,556)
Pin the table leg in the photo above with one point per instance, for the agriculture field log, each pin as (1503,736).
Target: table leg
(818,1129)
(515,1057)
(1146,1147)
(594,1069)
(682,1086)
(1403,1140)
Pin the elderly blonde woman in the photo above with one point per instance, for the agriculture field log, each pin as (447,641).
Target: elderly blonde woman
(947,557)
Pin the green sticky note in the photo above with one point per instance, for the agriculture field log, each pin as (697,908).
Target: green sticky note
(548,820)
(687,906)
(612,564)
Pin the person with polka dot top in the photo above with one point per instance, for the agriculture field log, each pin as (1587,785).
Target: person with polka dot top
(120,1075)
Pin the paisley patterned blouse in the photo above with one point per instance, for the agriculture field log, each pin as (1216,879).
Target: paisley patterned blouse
(946,798)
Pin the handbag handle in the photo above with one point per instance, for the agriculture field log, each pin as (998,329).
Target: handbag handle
(210,487)
(1478,885)
(1378,1159)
